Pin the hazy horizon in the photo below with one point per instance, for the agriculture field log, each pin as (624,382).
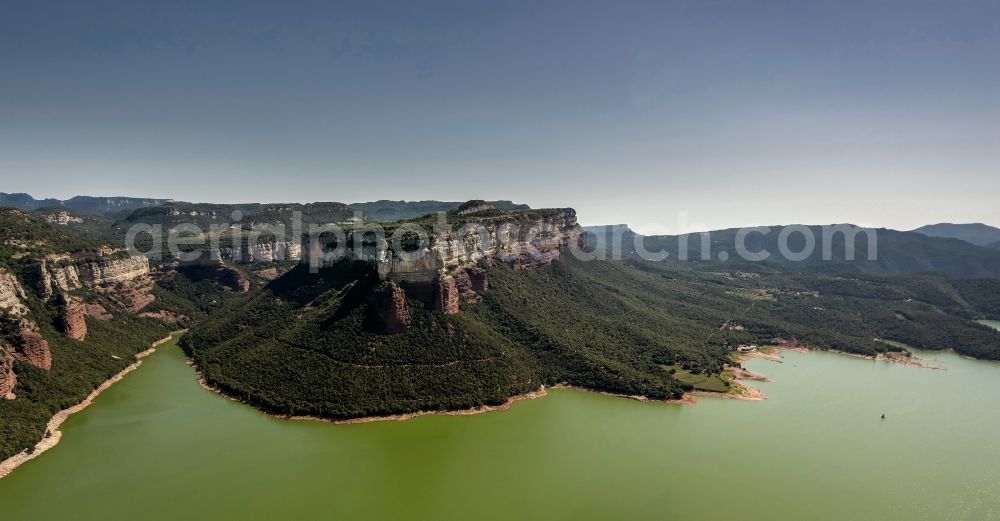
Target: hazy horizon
(670,228)
(874,113)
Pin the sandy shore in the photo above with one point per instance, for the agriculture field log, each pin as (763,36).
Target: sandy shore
(53,434)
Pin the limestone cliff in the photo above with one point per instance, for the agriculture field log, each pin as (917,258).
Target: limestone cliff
(113,271)
(441,268)
(11,294)
(522,244)
(31,347)
(61,273)
(253,252)
(57,273)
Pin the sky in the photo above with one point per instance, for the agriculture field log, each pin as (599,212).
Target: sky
(671,116)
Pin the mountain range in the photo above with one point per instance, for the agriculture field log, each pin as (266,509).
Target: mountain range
(977,233)
(475,321)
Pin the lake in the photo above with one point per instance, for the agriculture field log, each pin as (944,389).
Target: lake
(157,446)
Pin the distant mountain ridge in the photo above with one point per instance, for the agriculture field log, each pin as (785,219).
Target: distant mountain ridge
(385,210)
(80,203)
(977,233)
(381,210)
(898,253)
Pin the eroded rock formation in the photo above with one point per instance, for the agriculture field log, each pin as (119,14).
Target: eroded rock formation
(97,311)
(442,267)
(164,315)
(267,273)
(471,282)
(446,295)
(131,297)
(217,271)
(61,273)
(8,379)
(518,241)
(55,274)
(11,294)
(34,349)
(72,321)
(387,311)
(113,271)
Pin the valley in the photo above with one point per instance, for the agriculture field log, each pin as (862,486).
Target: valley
(501,303)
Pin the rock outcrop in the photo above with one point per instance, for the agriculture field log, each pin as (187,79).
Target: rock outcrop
(11,294)
(8,379)
(268,274)
(236,280)
(61,273)
(164,315)
(218,271)
(474,206)
(522,241)
(97,311)
(56,273)
(34,349)
(72,320)
(112,271)
(61,217)
(442,267)
(253,252)
(446,295)
(471,282)
(387,311)
(131,297)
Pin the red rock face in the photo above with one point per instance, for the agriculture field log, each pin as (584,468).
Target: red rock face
(73,322)
(242,283)
(541,256)
(163,315)
(7,377)
(446,295)
(477,276)
(267,273)
(133,299)
(35,350)
(387,309)
(471,282)
(97,311)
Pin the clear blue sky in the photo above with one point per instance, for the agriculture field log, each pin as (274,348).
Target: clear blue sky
(744,112)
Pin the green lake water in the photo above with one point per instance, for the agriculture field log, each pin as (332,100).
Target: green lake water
(158,447)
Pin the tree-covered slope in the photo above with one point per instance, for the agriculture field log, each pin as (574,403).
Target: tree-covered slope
(301,345)
(895,253)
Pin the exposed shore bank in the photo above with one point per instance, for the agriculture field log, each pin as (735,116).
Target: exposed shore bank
(53,434)
(539,393)
(773,353)
(740,391)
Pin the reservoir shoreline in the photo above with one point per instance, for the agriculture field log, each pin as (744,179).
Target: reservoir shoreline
(741,391)
(53,434)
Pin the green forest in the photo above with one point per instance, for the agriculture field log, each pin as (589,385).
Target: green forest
(300,345)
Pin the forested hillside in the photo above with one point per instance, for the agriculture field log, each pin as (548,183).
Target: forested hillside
(300,345)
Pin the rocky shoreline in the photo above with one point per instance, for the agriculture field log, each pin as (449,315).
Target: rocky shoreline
(53,434)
